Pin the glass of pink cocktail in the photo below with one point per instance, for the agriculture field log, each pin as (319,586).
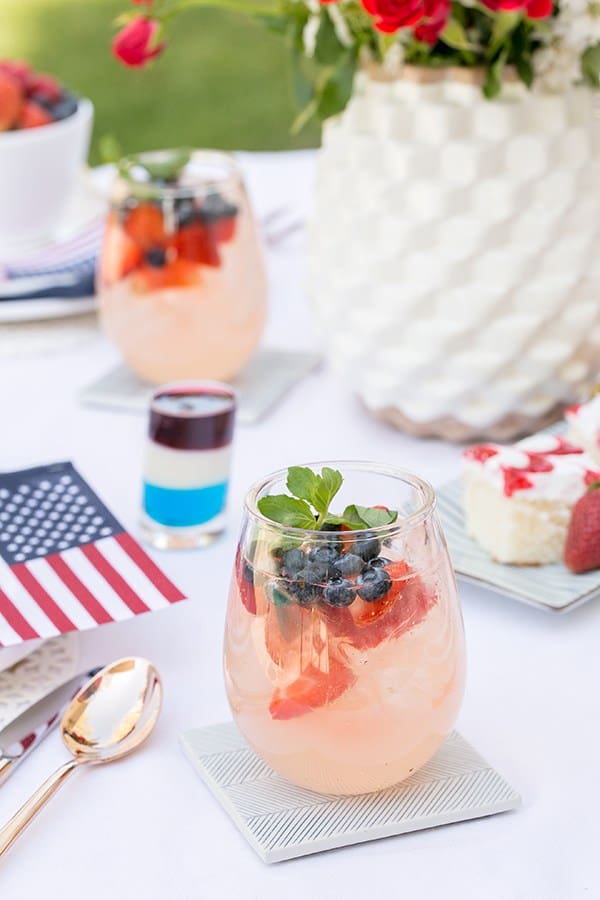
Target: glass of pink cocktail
(344,648)
(181,282)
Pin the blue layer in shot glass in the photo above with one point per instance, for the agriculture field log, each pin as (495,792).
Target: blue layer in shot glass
(187,463)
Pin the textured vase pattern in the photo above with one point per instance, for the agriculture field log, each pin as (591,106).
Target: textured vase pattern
(455,255)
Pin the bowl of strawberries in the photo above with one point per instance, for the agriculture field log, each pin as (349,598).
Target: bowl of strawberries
(44,137)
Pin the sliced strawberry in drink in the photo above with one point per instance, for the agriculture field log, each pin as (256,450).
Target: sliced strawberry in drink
(145,225)
(198,243)
(177,274)
(224,229)
(244,576)
(366,624)
(313,689)
(121,254)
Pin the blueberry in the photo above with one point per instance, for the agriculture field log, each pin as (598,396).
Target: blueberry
(368,547)
(324,555)
(186,212)
(292,561)
(348,565)
(216,207)
(373,584)
(65,107)
(339,592)
(337,541)
(314,573)
(379,562)
(247,572)
(157,257)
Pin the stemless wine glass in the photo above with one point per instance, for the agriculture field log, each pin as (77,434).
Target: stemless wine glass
(351,696)
(181,282)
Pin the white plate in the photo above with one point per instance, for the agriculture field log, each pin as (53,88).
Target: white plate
(552,588)
(87,206)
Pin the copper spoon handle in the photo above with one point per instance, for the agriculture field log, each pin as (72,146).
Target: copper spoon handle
(31,807)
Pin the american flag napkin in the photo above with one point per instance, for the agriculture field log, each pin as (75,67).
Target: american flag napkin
(66,563)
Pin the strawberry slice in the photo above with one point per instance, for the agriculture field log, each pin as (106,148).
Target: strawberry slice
(244,577)
(582,547)
(33,115)
(145,225)
(198,243)
(224,229)
(312,690)
(11,100)
(120,256)
(365,625)
(177,274)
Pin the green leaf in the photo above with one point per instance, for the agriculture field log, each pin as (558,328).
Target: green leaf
(493,78)
(590,66)
(287,511)
(166,166)
(336,89)
(504,24)
(328,485)
(302,87)
(327,47)
(359,517)
(109,149)
(454,35)
(302,482)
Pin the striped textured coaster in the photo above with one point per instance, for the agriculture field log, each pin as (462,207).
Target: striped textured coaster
(281,821)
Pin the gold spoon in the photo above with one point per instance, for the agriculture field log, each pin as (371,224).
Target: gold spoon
(109,717)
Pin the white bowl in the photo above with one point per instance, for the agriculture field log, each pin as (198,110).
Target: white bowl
(38,171)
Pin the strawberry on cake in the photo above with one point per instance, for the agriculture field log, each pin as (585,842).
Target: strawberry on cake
(584,426)
(518,498)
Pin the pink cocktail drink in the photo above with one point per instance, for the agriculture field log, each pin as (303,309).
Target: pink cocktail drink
(344,654)
(181,284)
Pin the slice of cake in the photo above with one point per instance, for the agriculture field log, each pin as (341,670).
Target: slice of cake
(518,499)
(584,426)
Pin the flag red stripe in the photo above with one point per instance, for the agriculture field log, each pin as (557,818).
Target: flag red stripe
(14,618)
(149,568)
(42,598)
(79,590)
(116,581)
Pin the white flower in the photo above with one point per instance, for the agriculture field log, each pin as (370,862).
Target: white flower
(557,67)
(577,24)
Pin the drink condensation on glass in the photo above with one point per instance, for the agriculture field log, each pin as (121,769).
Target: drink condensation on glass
(352,698)
(187,463)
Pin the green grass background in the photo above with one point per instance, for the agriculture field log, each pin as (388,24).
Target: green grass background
(223,82)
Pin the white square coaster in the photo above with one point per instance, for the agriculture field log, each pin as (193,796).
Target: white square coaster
(281,821)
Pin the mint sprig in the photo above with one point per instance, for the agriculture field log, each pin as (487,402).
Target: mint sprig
(312,495)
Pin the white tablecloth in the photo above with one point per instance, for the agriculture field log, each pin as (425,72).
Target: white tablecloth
(147,827)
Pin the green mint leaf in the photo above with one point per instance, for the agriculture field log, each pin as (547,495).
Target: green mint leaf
(359,517)
(287,511)
(328,484)
(302,482)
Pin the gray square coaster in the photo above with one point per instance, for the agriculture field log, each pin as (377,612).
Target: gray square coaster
(263,382)
(281,821)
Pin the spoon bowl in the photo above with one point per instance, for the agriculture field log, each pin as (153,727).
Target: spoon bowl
(108,718)
(114,712)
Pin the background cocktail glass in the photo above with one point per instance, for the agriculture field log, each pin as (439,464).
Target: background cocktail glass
(181,282)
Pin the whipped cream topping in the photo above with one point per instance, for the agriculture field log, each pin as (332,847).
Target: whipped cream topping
(541,467)
(585,417)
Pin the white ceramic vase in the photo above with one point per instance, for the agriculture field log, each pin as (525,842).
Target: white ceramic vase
(454,258)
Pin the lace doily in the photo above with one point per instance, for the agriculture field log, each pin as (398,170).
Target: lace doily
(43,670)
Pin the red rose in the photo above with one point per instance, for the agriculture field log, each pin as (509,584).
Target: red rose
(133,45)
(390,15)
(533,9)
(432,24)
